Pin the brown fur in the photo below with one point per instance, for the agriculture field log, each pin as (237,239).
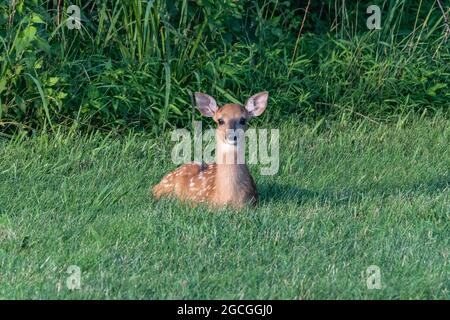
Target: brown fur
(218,184)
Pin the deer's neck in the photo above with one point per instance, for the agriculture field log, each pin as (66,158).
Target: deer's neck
(232,179)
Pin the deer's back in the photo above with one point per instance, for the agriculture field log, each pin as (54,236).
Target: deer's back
(192,181)
(198,183)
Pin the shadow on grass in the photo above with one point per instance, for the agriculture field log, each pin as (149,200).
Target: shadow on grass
(281,193)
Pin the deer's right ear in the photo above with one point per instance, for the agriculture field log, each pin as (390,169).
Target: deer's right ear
(206,104)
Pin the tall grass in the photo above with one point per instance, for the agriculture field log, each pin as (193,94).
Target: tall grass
(134,63)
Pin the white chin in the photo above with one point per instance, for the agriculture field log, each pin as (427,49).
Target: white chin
(231,143)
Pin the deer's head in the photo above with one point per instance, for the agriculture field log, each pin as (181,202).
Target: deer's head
(230,118)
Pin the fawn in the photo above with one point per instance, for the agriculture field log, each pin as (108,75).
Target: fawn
(222,183)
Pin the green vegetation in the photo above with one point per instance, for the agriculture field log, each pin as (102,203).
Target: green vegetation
(133,63)
(347,196)
(85,121)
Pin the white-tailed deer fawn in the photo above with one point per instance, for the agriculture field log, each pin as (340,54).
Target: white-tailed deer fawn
(222,183)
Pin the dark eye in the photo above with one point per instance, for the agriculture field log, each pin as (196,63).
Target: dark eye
(221,122)
(242,121)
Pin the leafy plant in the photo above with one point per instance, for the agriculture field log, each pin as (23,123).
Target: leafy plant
(135,63)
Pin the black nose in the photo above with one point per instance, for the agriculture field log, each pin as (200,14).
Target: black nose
(231,136)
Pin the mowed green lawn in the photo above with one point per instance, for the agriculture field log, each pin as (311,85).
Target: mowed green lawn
(347,196)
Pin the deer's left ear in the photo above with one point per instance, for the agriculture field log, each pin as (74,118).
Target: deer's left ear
(257,103)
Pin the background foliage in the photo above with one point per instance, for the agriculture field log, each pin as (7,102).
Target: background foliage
(134,63)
